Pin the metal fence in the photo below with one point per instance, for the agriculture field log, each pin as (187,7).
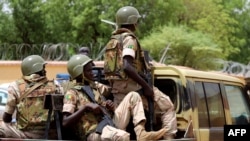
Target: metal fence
(236,68)
(63,51)
(49,51)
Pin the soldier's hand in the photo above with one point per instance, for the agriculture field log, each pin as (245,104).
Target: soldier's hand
(94,107)
(110,105)
(148,92)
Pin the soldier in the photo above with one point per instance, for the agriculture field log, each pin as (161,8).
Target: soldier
(84,51)
(26,96)
(86,114)
(124,68)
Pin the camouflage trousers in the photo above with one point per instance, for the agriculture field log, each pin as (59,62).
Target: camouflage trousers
(130,105)
(9,130)
(162,103)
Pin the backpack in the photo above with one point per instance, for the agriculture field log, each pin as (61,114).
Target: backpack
(113,57)
(30,112)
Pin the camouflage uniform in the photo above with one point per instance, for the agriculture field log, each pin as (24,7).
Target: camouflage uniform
(30,116)
(131,105)
(121,87)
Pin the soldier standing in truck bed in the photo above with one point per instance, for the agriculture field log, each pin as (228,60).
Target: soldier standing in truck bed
(124,66)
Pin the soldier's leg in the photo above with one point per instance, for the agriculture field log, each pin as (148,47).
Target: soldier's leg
(9,130)
(110,133)
(165,107)
(94,137)
(130,105)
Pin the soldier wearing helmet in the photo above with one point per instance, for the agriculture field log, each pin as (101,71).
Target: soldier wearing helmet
(84,51)
(25,96)
(131,65)
(80,110)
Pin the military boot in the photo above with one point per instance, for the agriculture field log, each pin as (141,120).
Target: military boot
(143,135)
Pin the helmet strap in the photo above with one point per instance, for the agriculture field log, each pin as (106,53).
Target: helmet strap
(85,80)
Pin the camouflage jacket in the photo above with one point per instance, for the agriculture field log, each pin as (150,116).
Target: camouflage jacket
(29,110)
(122,39)
(74,98)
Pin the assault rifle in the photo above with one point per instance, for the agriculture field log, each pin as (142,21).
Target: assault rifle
(148,78)
(106,119)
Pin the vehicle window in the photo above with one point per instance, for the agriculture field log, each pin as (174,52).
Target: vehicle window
(238,105)
(210,106)
(168,87)
(215,105)
(3,98)
(202,105)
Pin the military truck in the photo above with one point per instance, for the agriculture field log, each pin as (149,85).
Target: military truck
(204,101)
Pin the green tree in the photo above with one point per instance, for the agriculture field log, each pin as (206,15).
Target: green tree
(77,23)
(240,10)
(7,27)
(186,47)
(28,20)
(211,17)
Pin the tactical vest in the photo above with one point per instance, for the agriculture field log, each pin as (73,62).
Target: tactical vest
(89,120)
(113,62)
(30,112)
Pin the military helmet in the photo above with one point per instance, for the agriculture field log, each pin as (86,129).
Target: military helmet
(32,64)
(76,63)
(127,15)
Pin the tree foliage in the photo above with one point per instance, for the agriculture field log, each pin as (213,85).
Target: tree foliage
(221,24)
(211,17)
(187,47)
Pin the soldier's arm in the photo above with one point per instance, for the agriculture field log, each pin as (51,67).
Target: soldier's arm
(70,115)
(128,53)
(131,72)
(13,93)
(72,119)
(7,117)
(104,90)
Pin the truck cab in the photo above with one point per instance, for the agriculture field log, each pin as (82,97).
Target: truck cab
(204,101)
